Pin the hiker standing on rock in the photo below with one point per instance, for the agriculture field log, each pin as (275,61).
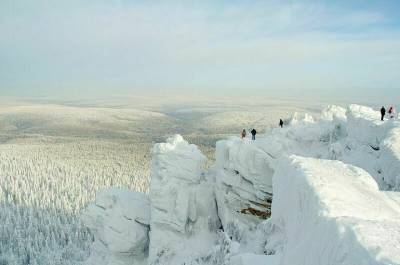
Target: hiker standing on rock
(281,123)
(383,112)
(243,134)
(253,134)
(391,112)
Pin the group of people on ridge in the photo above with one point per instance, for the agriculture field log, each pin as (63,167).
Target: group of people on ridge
(254,132)
(391,112)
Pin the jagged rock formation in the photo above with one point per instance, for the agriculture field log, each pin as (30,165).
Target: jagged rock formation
(243,182)
(319,206)
(182,201)
(389,160)
(329,212)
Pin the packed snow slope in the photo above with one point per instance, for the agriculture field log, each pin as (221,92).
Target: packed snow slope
(314,192)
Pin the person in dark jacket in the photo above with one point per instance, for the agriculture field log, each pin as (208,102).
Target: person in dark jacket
(281,123)
(383,112)
(253,134)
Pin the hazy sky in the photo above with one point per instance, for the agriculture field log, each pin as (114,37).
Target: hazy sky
(340,49)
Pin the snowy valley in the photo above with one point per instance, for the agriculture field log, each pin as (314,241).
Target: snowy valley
(317,191)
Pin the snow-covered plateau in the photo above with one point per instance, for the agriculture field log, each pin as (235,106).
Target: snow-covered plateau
(314,192)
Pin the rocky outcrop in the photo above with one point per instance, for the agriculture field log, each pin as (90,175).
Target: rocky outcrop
(182,202)
(243,182)
(390,160)
(192,216)
(319,225)
(119,220)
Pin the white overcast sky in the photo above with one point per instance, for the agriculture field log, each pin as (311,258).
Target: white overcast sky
(309,49)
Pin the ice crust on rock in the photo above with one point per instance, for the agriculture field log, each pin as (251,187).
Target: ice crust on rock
(119,220)
(390,158)
(243,182)
(182,203)
(365,125)
(334,180)
(333,213)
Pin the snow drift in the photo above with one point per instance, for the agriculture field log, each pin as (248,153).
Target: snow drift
(337,215)
(327,181)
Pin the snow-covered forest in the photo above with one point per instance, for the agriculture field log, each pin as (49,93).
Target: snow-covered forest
(44,187)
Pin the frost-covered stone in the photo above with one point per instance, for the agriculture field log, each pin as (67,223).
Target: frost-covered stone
(119,220)
(182,203)
(364,125)
(243,182)
(358,225)
(241,163)
(323,211)
(390,159)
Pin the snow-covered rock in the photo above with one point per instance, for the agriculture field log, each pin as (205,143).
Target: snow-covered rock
(365,126)
(244,168)
(243,183)
(326,177)
(333,213)
(119,220)
(182,203)
(390,159)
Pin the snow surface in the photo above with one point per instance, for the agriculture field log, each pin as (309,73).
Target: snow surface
(334,180)
(251,259)
(337,214)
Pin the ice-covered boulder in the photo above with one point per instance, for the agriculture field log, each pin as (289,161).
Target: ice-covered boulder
(243,187)
(333,213)
(183,207)
(119,220)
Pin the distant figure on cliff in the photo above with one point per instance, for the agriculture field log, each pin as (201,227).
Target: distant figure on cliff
(253,134)
(391,112)
(281,123)
(383,112)
(243,134)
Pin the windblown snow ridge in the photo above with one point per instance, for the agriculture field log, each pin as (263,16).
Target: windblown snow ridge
(329,212)
(326,181)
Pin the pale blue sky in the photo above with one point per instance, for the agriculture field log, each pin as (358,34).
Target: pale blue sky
(320,49)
